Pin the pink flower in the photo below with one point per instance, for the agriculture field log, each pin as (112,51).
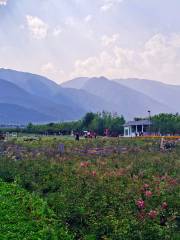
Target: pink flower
(148,194)
(153,214)
(84,164)
(140,204)
(146,186)
(164,205)
(94,173)
(173,182)
(163,178)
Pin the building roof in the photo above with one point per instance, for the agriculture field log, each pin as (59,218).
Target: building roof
(145,122)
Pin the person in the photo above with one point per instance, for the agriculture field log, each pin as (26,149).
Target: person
(2,136)
(77,137)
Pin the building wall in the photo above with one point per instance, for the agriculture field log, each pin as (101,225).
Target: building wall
(127,131)
(130,131)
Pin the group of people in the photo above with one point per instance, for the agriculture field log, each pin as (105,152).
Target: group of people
(86,135)
(90,135)
(139,134)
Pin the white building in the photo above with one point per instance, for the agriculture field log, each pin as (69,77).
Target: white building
(137,128)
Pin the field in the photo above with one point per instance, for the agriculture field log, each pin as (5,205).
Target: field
(104,188)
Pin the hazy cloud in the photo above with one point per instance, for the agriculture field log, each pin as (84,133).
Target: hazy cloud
(37,27)
(3,2)
(108,4)
(158,58)
(50,70)
(88,18)
(114,38)
(109,40)
(70,21)
(57,31)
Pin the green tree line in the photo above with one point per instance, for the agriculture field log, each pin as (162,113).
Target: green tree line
(166,123)
(98,122)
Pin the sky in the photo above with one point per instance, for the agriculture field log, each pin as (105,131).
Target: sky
(64,39)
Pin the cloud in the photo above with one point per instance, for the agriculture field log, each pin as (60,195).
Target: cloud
(50,70)
(108,4)
(109,40)
(3,2)
(57,31)
(158,58)
(37,27)
(70,21)
(88,18)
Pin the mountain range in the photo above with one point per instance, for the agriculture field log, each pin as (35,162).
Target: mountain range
(26,97)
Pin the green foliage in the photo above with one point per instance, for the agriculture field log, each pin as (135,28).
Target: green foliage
(88,118)
(166,123)
(26,216)
(162,123)
(97,122)
(95,196)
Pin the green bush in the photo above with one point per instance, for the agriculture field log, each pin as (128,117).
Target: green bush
(26,217)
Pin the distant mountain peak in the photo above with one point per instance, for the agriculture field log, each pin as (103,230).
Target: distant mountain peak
(71,100)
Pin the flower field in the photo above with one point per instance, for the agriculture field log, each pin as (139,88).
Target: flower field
(104,188)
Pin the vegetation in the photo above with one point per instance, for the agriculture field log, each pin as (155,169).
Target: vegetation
(26,216)
(167,123)
(96,122)
(99,122)
(104,188)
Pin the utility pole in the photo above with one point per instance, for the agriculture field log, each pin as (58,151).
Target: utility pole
(149,112)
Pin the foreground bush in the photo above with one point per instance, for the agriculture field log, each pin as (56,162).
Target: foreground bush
(24,216)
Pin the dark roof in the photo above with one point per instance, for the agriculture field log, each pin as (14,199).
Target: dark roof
(139,122)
